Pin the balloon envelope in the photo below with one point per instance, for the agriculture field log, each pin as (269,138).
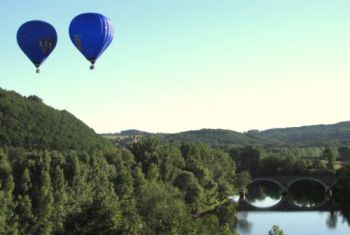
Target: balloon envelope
(37,39)
(91,33)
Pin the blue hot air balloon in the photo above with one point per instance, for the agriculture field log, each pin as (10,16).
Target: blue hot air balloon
(37,39)
(91,33)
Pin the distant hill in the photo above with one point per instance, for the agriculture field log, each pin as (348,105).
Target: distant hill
(218,138)
(317,135)
(134,132)
(213,137)
(27,122)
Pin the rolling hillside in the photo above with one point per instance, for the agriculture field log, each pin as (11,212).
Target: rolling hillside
(335,134)
(27,122)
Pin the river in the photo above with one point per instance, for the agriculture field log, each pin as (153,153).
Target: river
(293,223)
(306,195)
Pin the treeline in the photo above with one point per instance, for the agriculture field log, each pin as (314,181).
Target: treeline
(289,161)
(148,189)
(216,138)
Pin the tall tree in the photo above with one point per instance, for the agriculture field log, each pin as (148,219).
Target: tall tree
(24,204)
(60,198)
(331,158)
(152,173)
(191,188)
(44,204)
(7,186)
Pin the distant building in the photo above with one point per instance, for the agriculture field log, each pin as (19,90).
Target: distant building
(135,139)
(125,141)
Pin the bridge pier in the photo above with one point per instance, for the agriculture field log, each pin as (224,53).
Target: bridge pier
(328,191)
(242,195)
(284,193)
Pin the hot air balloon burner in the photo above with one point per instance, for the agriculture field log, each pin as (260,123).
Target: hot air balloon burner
(92,66)
(37,65)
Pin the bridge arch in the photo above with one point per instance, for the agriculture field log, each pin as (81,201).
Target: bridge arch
(257,208)
(325,186)
(267,180)
(334,183)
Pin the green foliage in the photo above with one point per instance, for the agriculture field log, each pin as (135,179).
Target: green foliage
(275,230)
(58,177)
(26,217)
(191,188)
(101,216)
(35,98)
(3,211)
(242,181)
(216,138)
(164,212)
(219,221)
(140,182)
(7,214)
(344,153)
(171,161)
(329,155)
(152,173)
(247,157)
(60,197)
(318,135)
(295,152)
(111,192)
(43,200)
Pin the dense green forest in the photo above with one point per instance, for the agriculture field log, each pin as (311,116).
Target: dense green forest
(149,189)
(57,176)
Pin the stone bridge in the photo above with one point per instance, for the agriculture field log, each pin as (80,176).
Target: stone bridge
(284,182)
(327,181)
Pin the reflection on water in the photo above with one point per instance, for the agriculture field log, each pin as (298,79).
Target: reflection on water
(293,223)
(303,193)
(220,220)
(263,194)
(259,223)
(234,198)
(243,225)
(265,202)
(341,191)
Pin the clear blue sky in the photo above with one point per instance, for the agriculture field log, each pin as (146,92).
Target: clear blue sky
(190,64)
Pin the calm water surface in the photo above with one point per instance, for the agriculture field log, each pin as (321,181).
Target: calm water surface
(293,223)
(305,194)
